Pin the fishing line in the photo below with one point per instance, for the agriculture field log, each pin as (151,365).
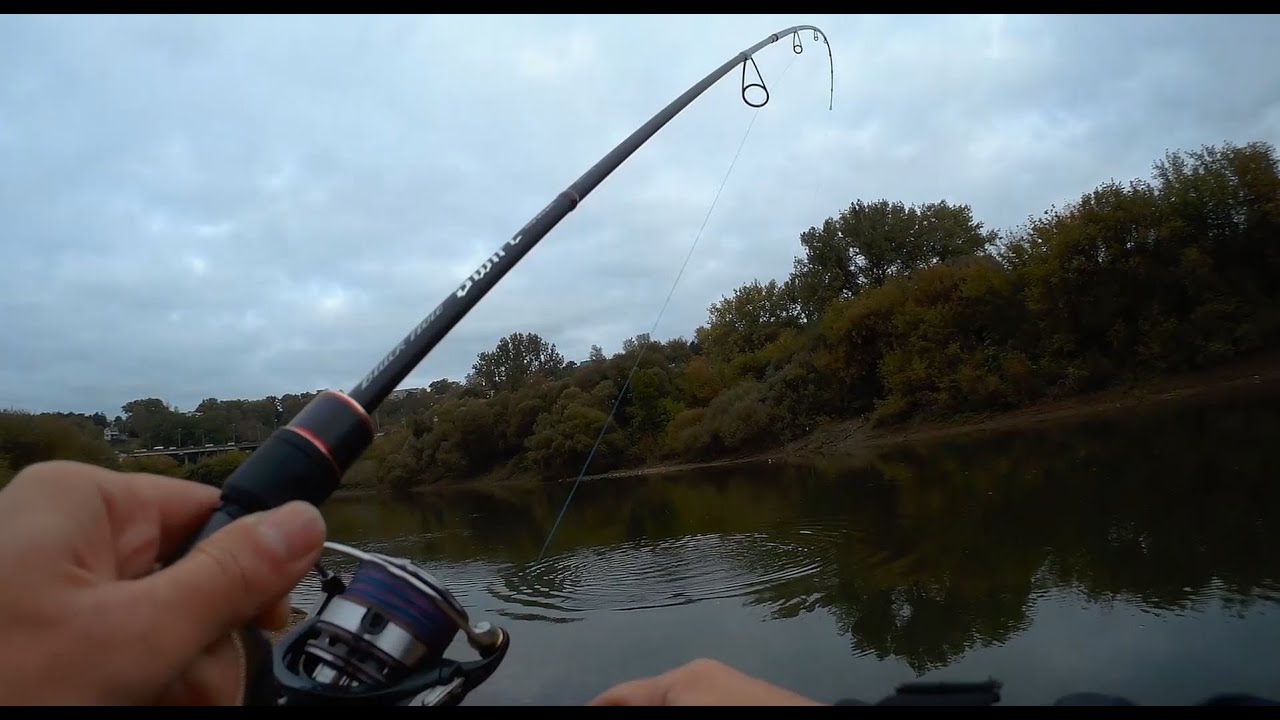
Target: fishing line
(307,459)
(640,355)
(817,180)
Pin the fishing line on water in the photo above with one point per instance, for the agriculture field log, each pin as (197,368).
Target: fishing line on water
(698,236)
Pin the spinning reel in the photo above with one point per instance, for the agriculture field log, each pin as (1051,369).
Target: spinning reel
(380,640)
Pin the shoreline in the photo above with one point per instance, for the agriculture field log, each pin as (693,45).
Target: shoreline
(1245,376)
(849,437)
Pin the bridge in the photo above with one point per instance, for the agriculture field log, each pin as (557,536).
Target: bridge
(194,450)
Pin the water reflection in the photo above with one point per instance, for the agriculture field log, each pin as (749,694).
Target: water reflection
(918,555)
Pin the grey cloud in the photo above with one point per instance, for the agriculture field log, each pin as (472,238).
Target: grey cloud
(234,207)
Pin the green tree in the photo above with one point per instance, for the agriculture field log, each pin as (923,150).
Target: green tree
(747,321)
(215,469)
(700,383)
(867,243)
(152,464)
(650,407)
(444,386)
(563,438)
(513,360)
(636,343)
(150,420)
(28,438)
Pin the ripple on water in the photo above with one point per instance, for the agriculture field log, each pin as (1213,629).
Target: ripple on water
(636,575)
(645,574)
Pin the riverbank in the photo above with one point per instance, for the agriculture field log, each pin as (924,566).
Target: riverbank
(1249,376)
(853,436)
(849,437)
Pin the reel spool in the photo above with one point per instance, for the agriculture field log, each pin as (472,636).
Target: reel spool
(381,640)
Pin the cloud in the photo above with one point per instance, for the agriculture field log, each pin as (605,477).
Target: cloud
(241,206)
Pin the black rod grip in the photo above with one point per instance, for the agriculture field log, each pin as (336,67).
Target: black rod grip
(304,460)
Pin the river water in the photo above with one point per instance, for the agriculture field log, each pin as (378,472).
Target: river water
(1136,555)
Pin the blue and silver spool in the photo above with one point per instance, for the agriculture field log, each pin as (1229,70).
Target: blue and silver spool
(395,599)
(392,617)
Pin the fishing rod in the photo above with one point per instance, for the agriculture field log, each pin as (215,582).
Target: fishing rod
(380,639)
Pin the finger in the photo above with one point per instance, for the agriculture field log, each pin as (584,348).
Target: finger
(146,515)
(180,506)
(649,691)
(230,578)
(152,515)
(174,499)
(214,678)
(275,616)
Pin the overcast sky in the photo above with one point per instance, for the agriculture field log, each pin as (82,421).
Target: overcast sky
(236,207)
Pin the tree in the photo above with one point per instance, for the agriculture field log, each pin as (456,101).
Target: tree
(678,351)
(562,438)
(649,412)
(291,404)
(747,321)
(597,354)
(215,469)
(443,386)
(513,360)
(635,343)
(152,420)
(870,242)
(699,382)
(28,438)
(152,465)
(463,437)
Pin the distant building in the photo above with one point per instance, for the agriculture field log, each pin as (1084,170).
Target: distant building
(404,392)
(111,434)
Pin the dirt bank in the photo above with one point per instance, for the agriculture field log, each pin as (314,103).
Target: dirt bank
(1242,377)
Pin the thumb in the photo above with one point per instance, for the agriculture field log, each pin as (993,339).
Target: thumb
(230,577)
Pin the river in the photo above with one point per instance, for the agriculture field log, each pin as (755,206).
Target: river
(1137,555)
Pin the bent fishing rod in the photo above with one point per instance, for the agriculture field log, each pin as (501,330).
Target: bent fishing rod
(381,638)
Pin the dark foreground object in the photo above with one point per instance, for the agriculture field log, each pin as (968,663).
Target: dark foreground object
(988,693)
